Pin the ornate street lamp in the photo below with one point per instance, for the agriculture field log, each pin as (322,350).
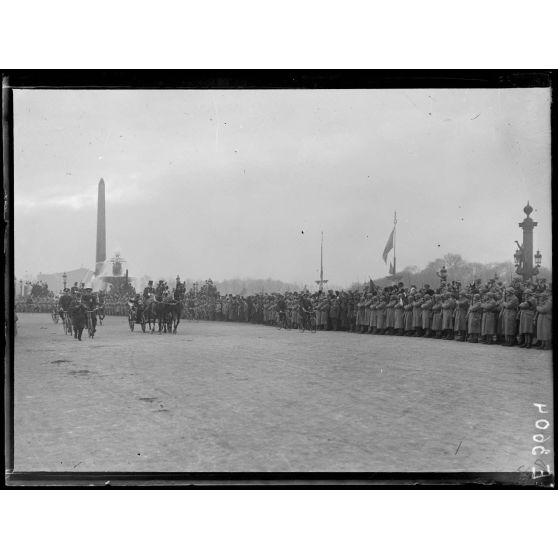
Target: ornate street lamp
(524,255)
(538,259)
(64,278)
(443,275)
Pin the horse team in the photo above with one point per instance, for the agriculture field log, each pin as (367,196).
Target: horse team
(152,313)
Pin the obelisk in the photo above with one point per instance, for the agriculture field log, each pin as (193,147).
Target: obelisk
(101,255)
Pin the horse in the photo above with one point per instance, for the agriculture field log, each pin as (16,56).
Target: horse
(153,313)
(78,315)
(173,312)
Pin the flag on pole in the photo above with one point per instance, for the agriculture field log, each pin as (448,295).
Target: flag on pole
(389,246)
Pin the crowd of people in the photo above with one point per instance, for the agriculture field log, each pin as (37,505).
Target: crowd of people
(492,313)
(115,301)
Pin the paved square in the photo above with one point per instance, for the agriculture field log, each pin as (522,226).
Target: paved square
(240,397)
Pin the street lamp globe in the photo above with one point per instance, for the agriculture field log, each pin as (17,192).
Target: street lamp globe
(538,259)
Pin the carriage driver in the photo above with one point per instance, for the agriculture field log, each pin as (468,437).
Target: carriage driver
(148,291)
(160,291)
(89,300)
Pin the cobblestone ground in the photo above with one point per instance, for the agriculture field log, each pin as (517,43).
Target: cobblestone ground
(241,397)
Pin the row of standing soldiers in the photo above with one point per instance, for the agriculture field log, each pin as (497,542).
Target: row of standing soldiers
(501,316)
(489,318)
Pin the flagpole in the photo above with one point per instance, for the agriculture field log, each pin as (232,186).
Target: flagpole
(394,234)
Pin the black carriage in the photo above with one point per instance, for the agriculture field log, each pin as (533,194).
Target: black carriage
(136,316)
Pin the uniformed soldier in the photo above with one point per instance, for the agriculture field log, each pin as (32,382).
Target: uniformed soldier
(408,315)
(399,320)
(437,316)
(324,313)
(474,319)
(373,323)
(527,310)
(333,311)
(460,317)
(448,310)
(148,291)
(65,302)
(489,319)
(417,316)
(509,316)
(426,314)
(381,314)
(89,300)
(390,314)
(544,321)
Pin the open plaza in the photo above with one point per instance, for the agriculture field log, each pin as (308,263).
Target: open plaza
(228,397)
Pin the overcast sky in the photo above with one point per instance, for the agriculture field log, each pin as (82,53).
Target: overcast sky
(221,184)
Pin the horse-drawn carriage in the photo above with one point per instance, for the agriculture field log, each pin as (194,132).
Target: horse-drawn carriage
(152,312)
(136,316)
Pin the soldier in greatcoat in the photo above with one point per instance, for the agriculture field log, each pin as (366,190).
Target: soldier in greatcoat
(360,314)
(437,316)
(510,316)
(398,317)
(474,319)
(527,310)
(417,316)
(489,319)
(381,314)
(460,317)
(448,309)
(368,311)
(408,316)
(544,321)
(333,312)
(426,315)
(343,310)
(390,314)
